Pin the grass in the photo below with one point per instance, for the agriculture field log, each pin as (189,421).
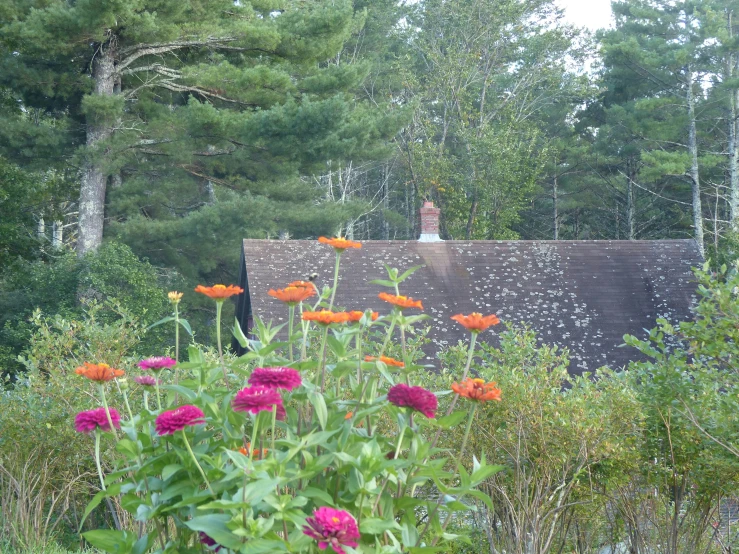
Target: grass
(49,549)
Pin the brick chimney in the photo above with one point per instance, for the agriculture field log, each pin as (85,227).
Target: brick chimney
(429,223)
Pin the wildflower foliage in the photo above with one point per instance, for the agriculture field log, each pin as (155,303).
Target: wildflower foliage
(278,452)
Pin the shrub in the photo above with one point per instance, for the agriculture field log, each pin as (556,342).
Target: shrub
(296,458)
(113,273)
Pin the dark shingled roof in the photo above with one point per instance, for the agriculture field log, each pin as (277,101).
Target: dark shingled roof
(584,295)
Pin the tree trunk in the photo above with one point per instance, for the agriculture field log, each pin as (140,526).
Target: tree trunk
(732,66)
(385,201)
(630,210)
(694,176)
(94,179)
(57,235)
(471,218)
(556,209)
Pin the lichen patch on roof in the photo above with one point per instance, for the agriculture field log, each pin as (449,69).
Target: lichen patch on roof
(583,295)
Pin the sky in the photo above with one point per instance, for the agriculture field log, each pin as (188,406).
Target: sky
(593,14)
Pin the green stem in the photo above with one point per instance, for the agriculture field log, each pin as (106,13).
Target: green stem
(146,400)
(400,442)
(156,386)
(359,354)
(291,317)
(107,411)
(322,368)
(219,308)
(128,406)
(194,459)
(467,430)
(254,436)
(304,326)
(176,350)
(470,353)
(97,459)
(274,424)
(336,280)
(389,334)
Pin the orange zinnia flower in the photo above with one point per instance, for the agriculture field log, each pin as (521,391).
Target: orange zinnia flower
(477,389)
(385,360)
(326,317)
(219,292)
(99,372)
(356,315)
(476,322)
(292,294)
(349,415)
(340,244)
(401,301)
(256,453)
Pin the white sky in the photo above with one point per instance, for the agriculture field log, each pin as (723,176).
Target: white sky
(593,14)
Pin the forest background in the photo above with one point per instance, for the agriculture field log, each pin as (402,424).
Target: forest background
(141,141)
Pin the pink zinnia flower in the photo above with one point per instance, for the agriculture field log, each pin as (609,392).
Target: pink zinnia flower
(146,380)
(89,421)
(208,541)
(275,378)
(168,423)
(416,398)
(256,399)
(156,363)
(334,528)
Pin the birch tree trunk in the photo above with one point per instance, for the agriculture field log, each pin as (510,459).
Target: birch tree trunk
(630,209)
(732,66)
(94,178)
(694,176)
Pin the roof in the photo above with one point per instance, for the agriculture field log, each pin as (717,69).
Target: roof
(583,295)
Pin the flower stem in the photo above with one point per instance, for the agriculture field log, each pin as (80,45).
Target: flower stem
(254,436)
(322,368)
(389,334)
(470,353)
(97,459)
(219,308)
(194,459)
(467,430)
(400,442)
(156,386)
(274,424)
(291,317)
(336,280)
(128,406)
(176,349)
(107,411)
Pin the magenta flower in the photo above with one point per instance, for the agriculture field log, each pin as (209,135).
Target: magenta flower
(331,527)
(275,378)
(156,363)
(168,423)
(146,380)
(416,398)
(256,399)
(89,421)
(208,541)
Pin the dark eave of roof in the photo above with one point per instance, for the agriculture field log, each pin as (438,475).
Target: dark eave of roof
(584,295)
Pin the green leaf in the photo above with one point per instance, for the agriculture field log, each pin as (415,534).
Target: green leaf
(452,420)
(112,490)
(109,540)
(319,405)
(383,283)
(186,326)
(323,496)
(214,525)
(184,391)
(170,470)
(161,322)
(377,526)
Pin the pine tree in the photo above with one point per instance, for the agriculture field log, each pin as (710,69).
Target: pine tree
(184,113)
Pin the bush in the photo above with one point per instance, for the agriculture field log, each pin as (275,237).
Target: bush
(58,287)
(46,472)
